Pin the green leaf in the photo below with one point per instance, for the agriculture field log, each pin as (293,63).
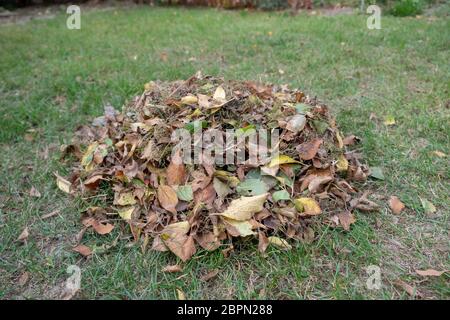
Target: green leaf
(252,187)
(427,206)
(196,125)
(280,195)
(377,173)
(302,108)
(185,193)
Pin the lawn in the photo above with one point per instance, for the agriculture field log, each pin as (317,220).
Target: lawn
(53,79)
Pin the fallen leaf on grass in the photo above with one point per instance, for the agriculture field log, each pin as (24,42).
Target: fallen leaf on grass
(49,215)
(280,243)
(210,275)
(23,279)
(431,273)
(23,235)
(34,192)
(175,238)
(427,206)
(389,121)
(181,295)
(346,219)
(440,154)
(172,268)
(396,205)
(85,251)
(408,288)
(99,227)
(377,173)
(263,242)
(63,184)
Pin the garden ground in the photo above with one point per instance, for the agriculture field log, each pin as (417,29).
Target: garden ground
(53,79)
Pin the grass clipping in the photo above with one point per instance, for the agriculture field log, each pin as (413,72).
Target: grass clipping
(129,166)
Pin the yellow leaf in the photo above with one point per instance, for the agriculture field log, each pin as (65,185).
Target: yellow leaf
(88,156)
(239,228)
(341,164)
(63,184)
(228,177)
(280,243)
(126,213)
(124,199)
(307,206)
(243,208)
(219,94)
(181,295)
(339,140)
(389,121)
(189,99)
(281,159)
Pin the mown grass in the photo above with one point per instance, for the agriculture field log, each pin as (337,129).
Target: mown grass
(53,79)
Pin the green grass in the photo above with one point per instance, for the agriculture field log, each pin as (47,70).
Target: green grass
(53,79)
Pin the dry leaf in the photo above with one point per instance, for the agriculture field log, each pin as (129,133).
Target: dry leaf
(63,184)
(175,171)
(34,192)
(263,242)
(23,279)
(280,243)
(172,268)
(346,219)
(431,273)
(396,205)
(85,251)
(168,198)
(408,288)
(49,215)
(181,295)
(210,275)
(243,208)
(308,150)
(307,206)
(23,235)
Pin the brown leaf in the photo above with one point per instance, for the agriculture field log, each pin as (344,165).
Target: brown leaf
(263,242)
(431,272)
(181,295)
(24,235)
(396,205)
(172,268)
(168,198)
(23,279)
(34,192)
(209,275)
(346,219)
(208,241)
(207,195)
(317,182)
(49,215)
(308,150)
(99,227)
(85,251)
(408,288)
(176,172)
(175,238)
(351,140)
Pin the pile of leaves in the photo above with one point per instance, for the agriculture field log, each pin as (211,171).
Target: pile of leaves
(127,162)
